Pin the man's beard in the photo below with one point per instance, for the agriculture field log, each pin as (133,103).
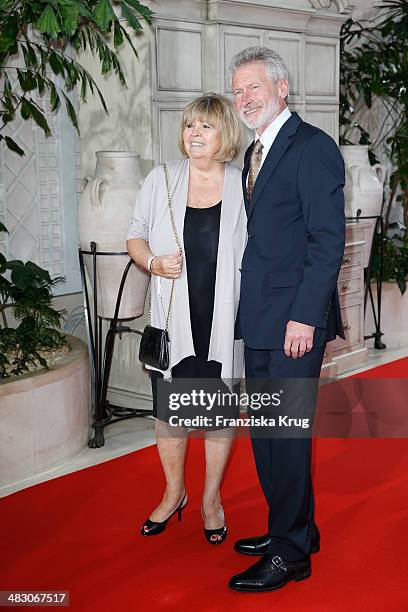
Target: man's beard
(265,117)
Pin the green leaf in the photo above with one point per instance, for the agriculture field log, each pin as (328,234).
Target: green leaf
(84,11)
(42,361)
(3,228)
(83,90)
(27,80)
(71,112)
(73,74)
(31,55)
(47,23)
(103,14)
(9,99)
(130,17)
(9,32)
(37,272)
(30,275)
(118,70)
(70,16)
(106,64)
(14,264)
(30,109)
(13,146)
(40,84)
(55,63)
(25,54)
(25,109)
(91,38)
(402,283)
(54,97)
(93,85)
(7,85)
(117,36)
(126,35)
(146,13)
(3,263)
(76,41)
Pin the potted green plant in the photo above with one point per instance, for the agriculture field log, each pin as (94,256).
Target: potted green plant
(44,377)
(374,65)
(39,43)
(26,292)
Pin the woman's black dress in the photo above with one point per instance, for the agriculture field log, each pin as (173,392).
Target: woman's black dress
(201,234)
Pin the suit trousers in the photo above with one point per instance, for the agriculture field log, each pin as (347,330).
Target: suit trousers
(284,464)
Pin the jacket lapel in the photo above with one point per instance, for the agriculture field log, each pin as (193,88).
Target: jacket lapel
(281,143)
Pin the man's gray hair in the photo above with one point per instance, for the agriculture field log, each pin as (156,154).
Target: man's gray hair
(275,67)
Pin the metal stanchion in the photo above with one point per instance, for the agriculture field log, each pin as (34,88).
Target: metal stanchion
(101,349)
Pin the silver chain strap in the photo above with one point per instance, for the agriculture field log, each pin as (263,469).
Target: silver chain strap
(173,224)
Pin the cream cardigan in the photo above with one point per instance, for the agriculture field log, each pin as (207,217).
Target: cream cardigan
(151,222)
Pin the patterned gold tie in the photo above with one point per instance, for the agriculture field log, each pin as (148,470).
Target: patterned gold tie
(254,166)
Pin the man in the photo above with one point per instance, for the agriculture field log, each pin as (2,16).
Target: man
(293,181)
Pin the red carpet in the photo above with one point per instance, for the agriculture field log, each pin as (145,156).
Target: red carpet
(394,369)
(80,533)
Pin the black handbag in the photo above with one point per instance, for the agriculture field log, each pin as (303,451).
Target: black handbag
(154,347)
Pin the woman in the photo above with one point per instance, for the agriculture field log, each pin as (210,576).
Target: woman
(206,198)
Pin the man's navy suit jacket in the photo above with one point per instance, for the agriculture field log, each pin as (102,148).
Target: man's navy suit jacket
(296,235)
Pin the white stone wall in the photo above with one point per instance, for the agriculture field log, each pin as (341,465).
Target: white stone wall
(128,127)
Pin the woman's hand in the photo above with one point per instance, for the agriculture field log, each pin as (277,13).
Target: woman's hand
(168,266)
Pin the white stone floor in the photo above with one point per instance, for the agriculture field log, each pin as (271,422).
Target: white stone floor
(133,434)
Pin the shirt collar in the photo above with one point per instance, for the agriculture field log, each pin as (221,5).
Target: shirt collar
(273,128)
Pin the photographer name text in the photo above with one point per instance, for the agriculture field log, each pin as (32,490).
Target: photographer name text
(251,421)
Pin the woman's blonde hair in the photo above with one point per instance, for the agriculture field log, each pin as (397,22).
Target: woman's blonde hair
(220,114)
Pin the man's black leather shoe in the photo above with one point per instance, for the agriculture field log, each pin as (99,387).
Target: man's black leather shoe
(259,545)
(269,573)
(253,546)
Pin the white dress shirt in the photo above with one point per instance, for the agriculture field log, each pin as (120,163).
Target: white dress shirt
(271,132)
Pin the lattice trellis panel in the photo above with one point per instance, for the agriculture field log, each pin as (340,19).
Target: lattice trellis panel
(39,194)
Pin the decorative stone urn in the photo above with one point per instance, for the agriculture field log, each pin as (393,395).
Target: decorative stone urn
(105,209)
(45,417)
(363,190)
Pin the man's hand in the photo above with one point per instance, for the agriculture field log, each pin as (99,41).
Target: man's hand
(168,266)
(298,339)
